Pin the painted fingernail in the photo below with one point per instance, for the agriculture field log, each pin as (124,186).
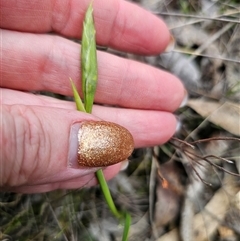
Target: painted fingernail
(185,99)
(102,143)
(171,44)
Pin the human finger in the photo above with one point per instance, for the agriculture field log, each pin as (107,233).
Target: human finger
(87,180)
(45,62)
(119,24)
(148,127)
(42,145)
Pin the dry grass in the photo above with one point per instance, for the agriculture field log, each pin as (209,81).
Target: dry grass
(172,190)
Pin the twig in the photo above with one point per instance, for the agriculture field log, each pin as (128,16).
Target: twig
(196,158)
(217,18)
(216,139)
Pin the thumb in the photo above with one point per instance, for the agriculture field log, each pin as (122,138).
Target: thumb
(41,148)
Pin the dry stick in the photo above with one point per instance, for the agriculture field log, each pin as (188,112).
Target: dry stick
(216,139)
(210,40)
(199,51)
(201,18)
(183,142)
(178,50)
(205,158)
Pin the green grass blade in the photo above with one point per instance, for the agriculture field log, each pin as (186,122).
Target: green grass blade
(89,60)
(77,98)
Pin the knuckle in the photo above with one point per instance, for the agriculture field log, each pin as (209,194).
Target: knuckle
(23,138)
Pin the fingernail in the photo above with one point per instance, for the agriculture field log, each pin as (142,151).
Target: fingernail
(100,143)
(185,99)
(73,146)
(124,165)
(171,44)
(178,125)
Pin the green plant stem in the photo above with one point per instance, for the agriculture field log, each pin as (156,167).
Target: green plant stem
(89,83)
(123,217)
(107,194)
(99,173)
(127,224)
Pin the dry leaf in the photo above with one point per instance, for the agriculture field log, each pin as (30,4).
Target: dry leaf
(168,196)
(206,222)
(225,115)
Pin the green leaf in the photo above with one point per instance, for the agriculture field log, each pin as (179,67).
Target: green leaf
(89,60)
(77,99)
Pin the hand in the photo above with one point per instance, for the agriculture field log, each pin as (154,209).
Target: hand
(36,131)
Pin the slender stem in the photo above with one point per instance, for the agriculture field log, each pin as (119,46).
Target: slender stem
(123,217)
(126,226)
(107,194)
(89,83)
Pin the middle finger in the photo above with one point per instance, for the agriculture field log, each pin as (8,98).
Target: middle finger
(45,62)
(148,127)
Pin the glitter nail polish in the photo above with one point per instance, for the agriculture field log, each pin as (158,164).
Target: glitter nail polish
(103,143)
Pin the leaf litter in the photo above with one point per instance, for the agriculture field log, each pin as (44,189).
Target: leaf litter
(181,190)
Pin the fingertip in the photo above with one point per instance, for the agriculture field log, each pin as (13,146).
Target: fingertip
(185,99)
(164,40)
(108,172)
(171,44)
(178,95)
(111,171)
(137,30)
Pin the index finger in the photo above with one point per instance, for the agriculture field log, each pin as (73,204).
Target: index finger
(119,24)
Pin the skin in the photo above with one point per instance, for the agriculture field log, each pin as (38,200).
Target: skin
(35,130)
